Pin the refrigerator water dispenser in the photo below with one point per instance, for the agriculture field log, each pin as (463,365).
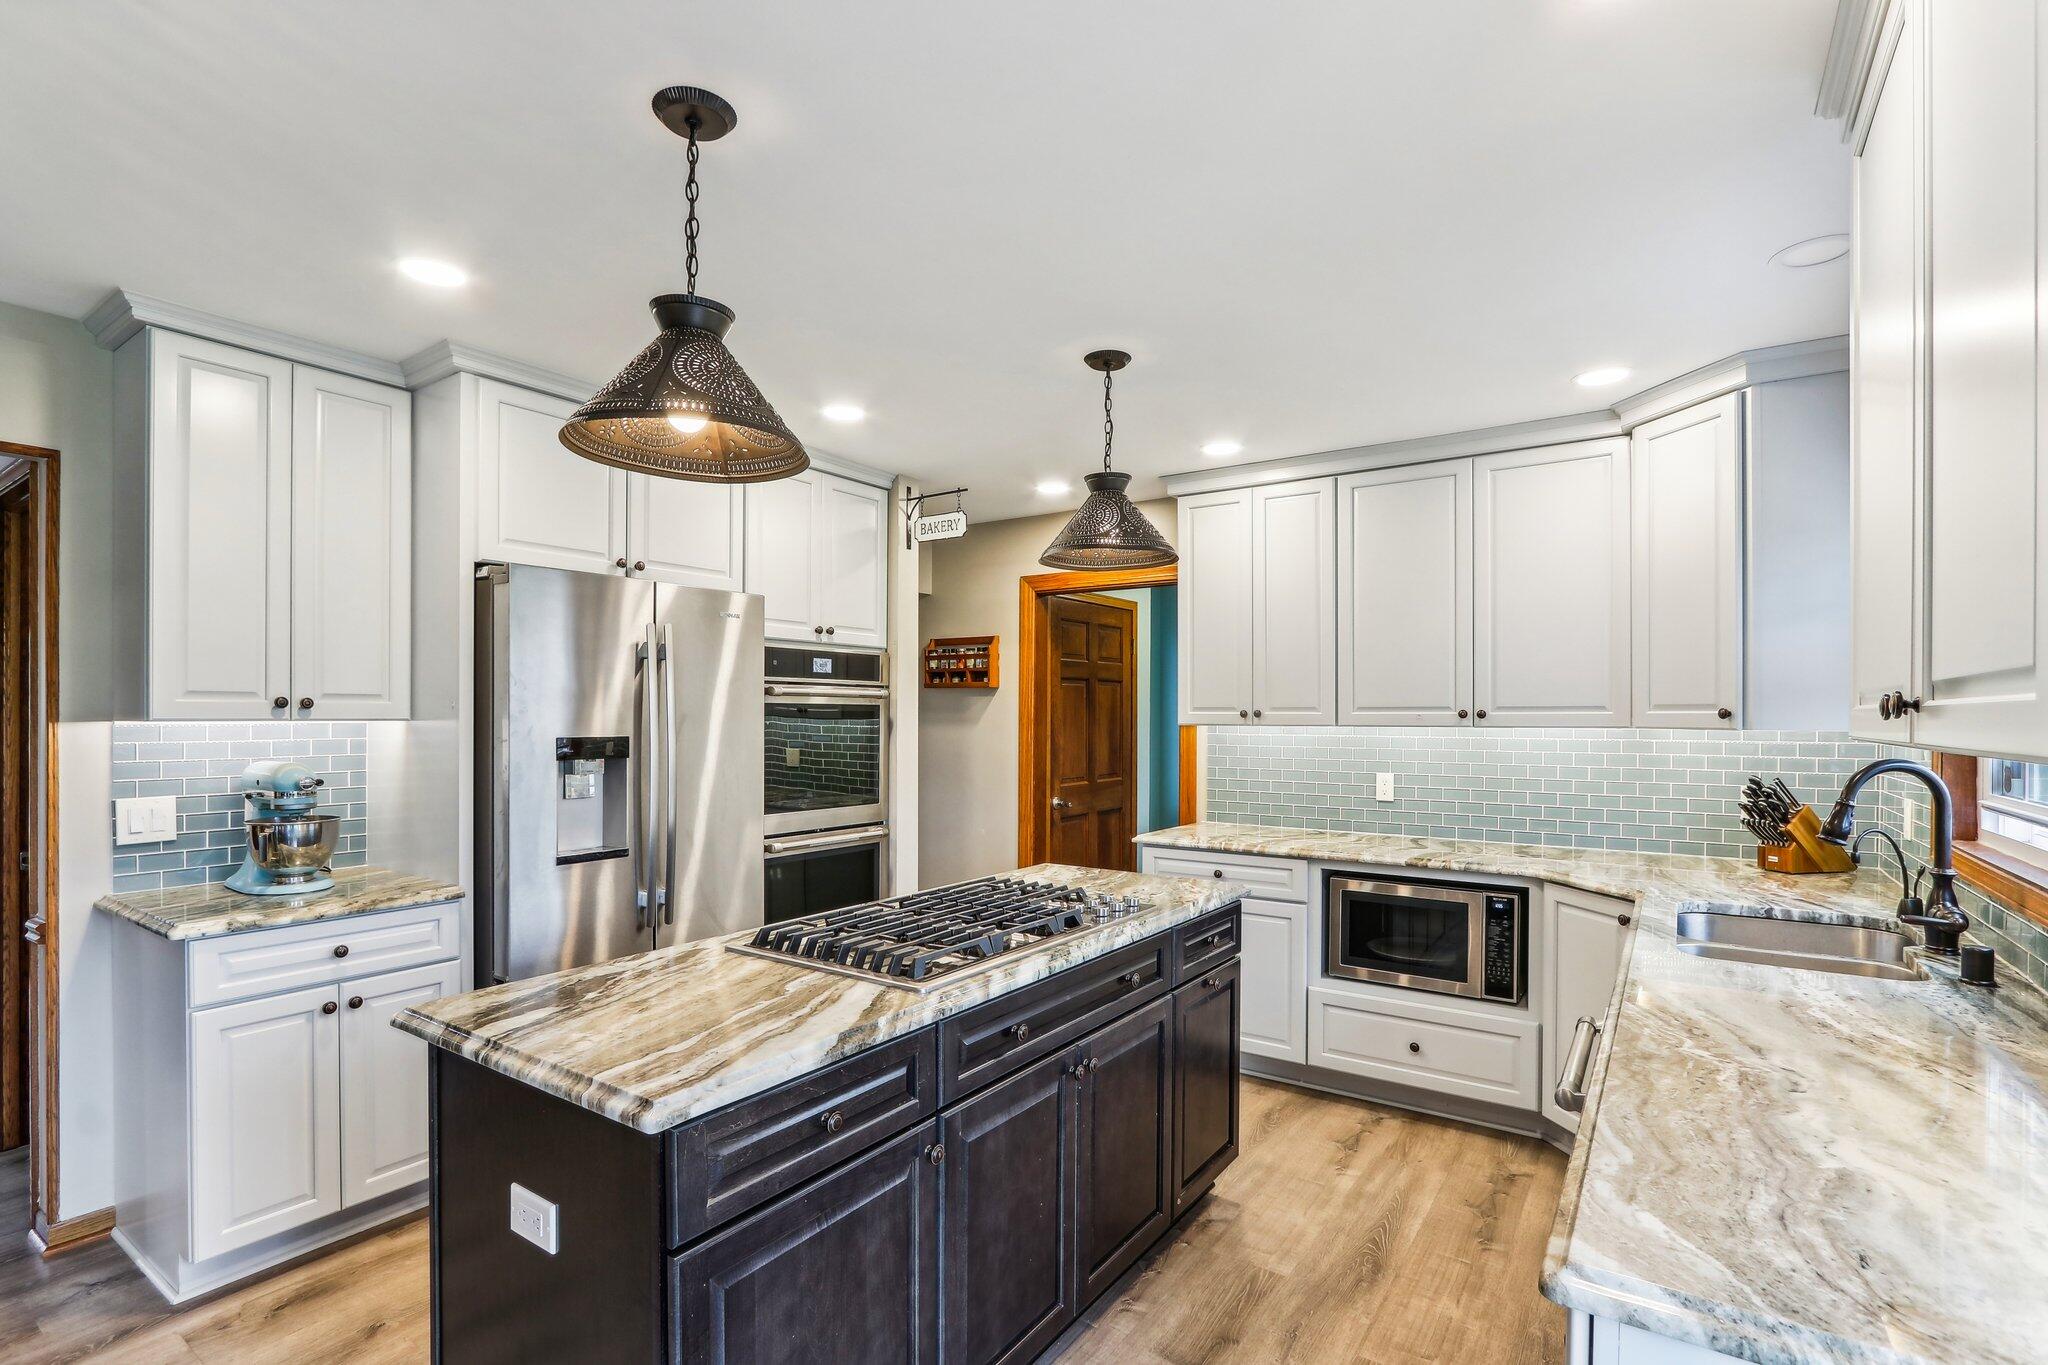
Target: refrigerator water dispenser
(593,804)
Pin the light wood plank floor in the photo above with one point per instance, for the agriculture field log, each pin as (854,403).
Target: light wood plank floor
(1344,1232)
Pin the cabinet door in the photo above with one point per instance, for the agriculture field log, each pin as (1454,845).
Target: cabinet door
(1205,1054)
(1294,606)
(220,555)
(1685,474)
(537,502)
(266,1120)
(384,1081)
(844,1269)
(686,532)
(1886,327)
(1216,608)
(1124,1168)
(852,593)
(1274,1009)
(1006,1276)
(1984,617)
(780,555)
(1550,590)
(1404,595)
(1588,935)
(351,548)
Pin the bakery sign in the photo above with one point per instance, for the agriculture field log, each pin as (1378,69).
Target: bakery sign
(940,526)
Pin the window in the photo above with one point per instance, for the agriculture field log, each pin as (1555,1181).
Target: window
(2013,807)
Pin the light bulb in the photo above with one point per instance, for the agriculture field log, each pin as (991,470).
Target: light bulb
(687,424)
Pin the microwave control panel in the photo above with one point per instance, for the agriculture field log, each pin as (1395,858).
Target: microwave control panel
(1502,947)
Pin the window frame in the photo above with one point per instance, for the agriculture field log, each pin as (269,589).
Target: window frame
(2001,874)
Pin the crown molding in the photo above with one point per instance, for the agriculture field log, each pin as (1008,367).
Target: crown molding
(849,469)
(1860,30)
(1799,359)
(122,313)
(433,363)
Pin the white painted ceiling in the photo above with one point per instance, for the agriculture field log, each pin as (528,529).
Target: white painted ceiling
(1315,225)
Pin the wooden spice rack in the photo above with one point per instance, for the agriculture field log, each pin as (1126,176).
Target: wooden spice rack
(961,661)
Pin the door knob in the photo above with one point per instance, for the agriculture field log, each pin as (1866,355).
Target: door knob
(1060,803)
(280,703)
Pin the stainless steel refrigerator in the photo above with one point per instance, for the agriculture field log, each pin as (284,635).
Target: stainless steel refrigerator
(619,770)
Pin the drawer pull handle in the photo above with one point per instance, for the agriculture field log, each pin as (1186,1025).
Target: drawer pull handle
(833,1121)
(1081,1068)
(341,950)
(327,1008)
(1415,1047)
(1018,1032)
(935,1153)
(1570,1095)
(1199,945)
(1130,979)
(355,1002)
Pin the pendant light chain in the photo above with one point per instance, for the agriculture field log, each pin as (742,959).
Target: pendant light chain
(690,218)
(1108,421)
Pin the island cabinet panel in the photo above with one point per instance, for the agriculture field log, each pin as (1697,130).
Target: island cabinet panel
(1205,1082)
(846,1269)
(1201,944)
(1124,1090)
(1006,1260)
(988,1042)
(728,1162)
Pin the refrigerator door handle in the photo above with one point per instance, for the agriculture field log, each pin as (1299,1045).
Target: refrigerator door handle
(669,747)
(643,842)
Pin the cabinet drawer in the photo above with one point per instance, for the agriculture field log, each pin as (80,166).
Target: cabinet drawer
(725,1163)
(1207,942)
(990,1041)
(1273,878)
(1430,1047)
(241,966)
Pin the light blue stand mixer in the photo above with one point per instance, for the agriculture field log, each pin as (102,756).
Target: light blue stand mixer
(289,846)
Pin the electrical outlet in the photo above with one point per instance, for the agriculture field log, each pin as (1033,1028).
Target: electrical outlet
(1383,786)
(534,1219)
(145,819)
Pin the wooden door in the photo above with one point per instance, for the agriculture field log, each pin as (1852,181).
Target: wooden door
(780,555)
(537,501)
(1587,934)
(384,1081)
(1205,1065)
(1550,586)
(1216,608)
(351,548)
(1294,603)
(1404,596)
(853,591)
(1685,475)
(1124,1165)
(18,788)
(1091,732)
(684,532)
(220,557)
(1006,1282)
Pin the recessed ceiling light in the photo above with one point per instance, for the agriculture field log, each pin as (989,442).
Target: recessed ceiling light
(1605,375)
(1054,488)
(1218,450)
(1814,251)
(842,412)
(439,274)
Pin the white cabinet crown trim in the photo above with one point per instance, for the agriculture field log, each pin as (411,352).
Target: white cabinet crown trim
(122,313)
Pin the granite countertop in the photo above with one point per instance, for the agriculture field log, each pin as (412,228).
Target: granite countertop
(189,912)
(658,1038)
(1780,1165)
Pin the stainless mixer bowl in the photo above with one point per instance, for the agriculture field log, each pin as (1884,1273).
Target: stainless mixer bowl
(293,848)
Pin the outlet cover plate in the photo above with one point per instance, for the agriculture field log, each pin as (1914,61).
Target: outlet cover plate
(145,819)
(1383,786)
(534,1218)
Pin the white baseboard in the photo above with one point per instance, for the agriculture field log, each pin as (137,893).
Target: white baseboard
(192,1280)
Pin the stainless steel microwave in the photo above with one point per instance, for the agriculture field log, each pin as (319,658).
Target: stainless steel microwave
(1460,938)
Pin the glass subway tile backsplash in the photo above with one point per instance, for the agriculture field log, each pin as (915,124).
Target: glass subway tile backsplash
(197,762)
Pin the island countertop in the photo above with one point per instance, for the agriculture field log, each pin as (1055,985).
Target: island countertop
(1781,1165)
(658,1038)
(189,912)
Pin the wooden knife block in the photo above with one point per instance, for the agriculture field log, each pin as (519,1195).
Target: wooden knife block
(1807,852)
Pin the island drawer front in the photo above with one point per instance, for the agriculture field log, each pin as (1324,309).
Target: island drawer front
(1277,879)
(265,961)
(1207,942)
(738,1158)
(986,1043)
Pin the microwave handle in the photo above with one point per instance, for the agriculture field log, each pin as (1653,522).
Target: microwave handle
(838,838)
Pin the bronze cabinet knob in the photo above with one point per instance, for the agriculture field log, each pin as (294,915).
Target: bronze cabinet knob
(1209,983)
(1219,872)
(831,630)
(327,1008)
(1482,713)
(1243,714)
(639,566)
(1623,920)
(305,703)
(936,1153)
(1415,1047)
(1131,978)
(1257,713)
(1463,713)
(833,1121)
(1018,1032)
(619,563)
(280,703)
(355,1002)
(341,950)
(1725,714)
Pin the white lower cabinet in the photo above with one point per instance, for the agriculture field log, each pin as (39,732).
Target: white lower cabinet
(1602,1341)
(1273,940)
(1448,1049)
(1585,940)
(384,1082)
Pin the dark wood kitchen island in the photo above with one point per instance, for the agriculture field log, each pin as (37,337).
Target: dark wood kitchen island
(720,1156)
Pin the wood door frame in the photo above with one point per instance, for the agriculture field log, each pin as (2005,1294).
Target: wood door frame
(1034,646)
(42,1143)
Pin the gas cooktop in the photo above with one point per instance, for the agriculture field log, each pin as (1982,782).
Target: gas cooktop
(925,939)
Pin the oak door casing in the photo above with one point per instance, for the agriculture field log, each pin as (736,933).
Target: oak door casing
(1091,732)
(18,578)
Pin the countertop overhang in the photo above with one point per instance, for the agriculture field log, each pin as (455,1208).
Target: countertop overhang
(192,912)
(1781,1165)
(658,1038)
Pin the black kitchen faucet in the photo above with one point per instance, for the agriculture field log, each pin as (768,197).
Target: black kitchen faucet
(1944,920)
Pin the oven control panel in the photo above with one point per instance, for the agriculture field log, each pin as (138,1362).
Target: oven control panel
(1503,948)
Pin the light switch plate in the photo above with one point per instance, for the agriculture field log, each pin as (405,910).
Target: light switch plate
(145,819)
(534,1219)
(1383,786)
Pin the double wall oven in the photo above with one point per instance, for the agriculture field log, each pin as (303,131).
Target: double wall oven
(1459,938)
(826,742)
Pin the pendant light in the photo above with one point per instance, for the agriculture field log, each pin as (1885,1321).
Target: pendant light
(1107,531)
(684,409)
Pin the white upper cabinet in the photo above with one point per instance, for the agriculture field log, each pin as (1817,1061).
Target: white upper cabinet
(817,553)
(1404,595)
(218,437)
(1685,480)
(537,501)
(1294,563)
(351,548)
(280,534)
(1551,586)
(685,532)
(1215,589)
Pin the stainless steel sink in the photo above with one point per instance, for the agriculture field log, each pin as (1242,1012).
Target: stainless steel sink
(1845,949)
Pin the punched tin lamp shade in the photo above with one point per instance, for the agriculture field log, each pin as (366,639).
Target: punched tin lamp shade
(686,373)
(1108,532)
